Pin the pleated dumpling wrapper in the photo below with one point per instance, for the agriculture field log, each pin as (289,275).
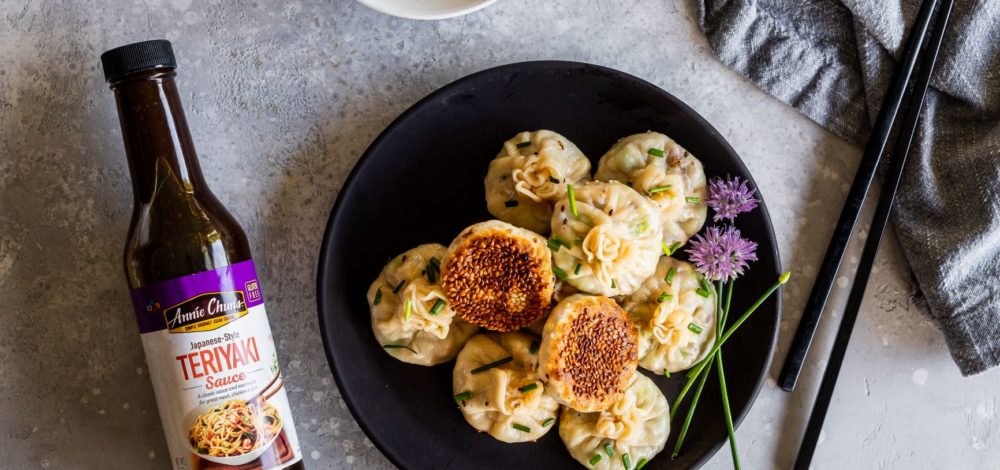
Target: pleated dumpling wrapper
(675,312)
(635,428)
(498,276)
(605,239)
(530,174)
(411,317)
(589,352)
(498,389)
(656,166)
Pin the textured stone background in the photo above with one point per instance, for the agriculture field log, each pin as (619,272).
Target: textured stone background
(282,99)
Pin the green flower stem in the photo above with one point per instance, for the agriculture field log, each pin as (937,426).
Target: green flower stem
(718,344)
(722,379)
(690,414)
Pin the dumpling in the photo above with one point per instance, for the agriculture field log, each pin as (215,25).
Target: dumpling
(498,389)
(589,352)
(612,243)
(658,167)
(411,317)
(498,276)
(530,174)
(636,427)
(676,319)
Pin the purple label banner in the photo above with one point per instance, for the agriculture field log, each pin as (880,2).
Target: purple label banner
(194,302)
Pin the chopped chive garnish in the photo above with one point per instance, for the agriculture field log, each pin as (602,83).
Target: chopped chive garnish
(436,309)
(658,189)
(609,449)
(666,249)
(670,275)
(596,458)
(555,242)
(435,263)
(431,273)
(703,292)
(528,388)
(395,290)
(695,328)
(548,422)
(399,346)
(642,463)
(577,269)
(692,200)
(409,309)
(486,367)
(378,296)
(524,144)
(510,203)
(614,285)
(674,247)
(560,273)
(554,180)
(572,199)
(626,461)
(666,373)
(463,396)
(520,427)
(664,297)
(656,152)
(534,347)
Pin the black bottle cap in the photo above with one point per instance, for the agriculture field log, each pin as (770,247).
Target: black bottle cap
(132,58)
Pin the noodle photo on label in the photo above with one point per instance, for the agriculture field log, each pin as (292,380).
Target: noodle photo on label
(234,428)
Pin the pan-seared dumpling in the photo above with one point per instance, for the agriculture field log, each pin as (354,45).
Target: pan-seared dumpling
(674,311)
(636,427)
(658,167)
(411,317)
(611,243)
(498,389)
(530,174)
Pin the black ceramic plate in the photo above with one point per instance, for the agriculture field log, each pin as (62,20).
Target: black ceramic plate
(421,181)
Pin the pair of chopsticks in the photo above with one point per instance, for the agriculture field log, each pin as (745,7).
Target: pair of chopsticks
(922,49)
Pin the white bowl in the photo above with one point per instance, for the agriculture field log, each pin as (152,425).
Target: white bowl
(426,9)
(236,460)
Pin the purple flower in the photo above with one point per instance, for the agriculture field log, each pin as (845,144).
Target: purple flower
(730,197)
(721,254)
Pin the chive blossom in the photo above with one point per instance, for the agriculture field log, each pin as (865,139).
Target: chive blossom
(548,422)
(399,346)
(486,367)
(658,189)
(670,275)
(572,199)
(656,152)
(609,449)
(596,458)
(438,305)
(528,388)
(560,273)
(378,296)
(520,427)
(510,203)
(463,396)
(524,144)
(695,328)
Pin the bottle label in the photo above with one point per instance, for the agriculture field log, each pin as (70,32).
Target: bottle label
(215,371)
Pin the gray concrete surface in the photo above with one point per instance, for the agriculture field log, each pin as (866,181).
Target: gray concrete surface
(282,98)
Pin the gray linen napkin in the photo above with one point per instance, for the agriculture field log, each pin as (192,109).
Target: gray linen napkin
(833,60)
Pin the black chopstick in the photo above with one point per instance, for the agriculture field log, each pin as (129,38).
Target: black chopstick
(855,199)
(882,211)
